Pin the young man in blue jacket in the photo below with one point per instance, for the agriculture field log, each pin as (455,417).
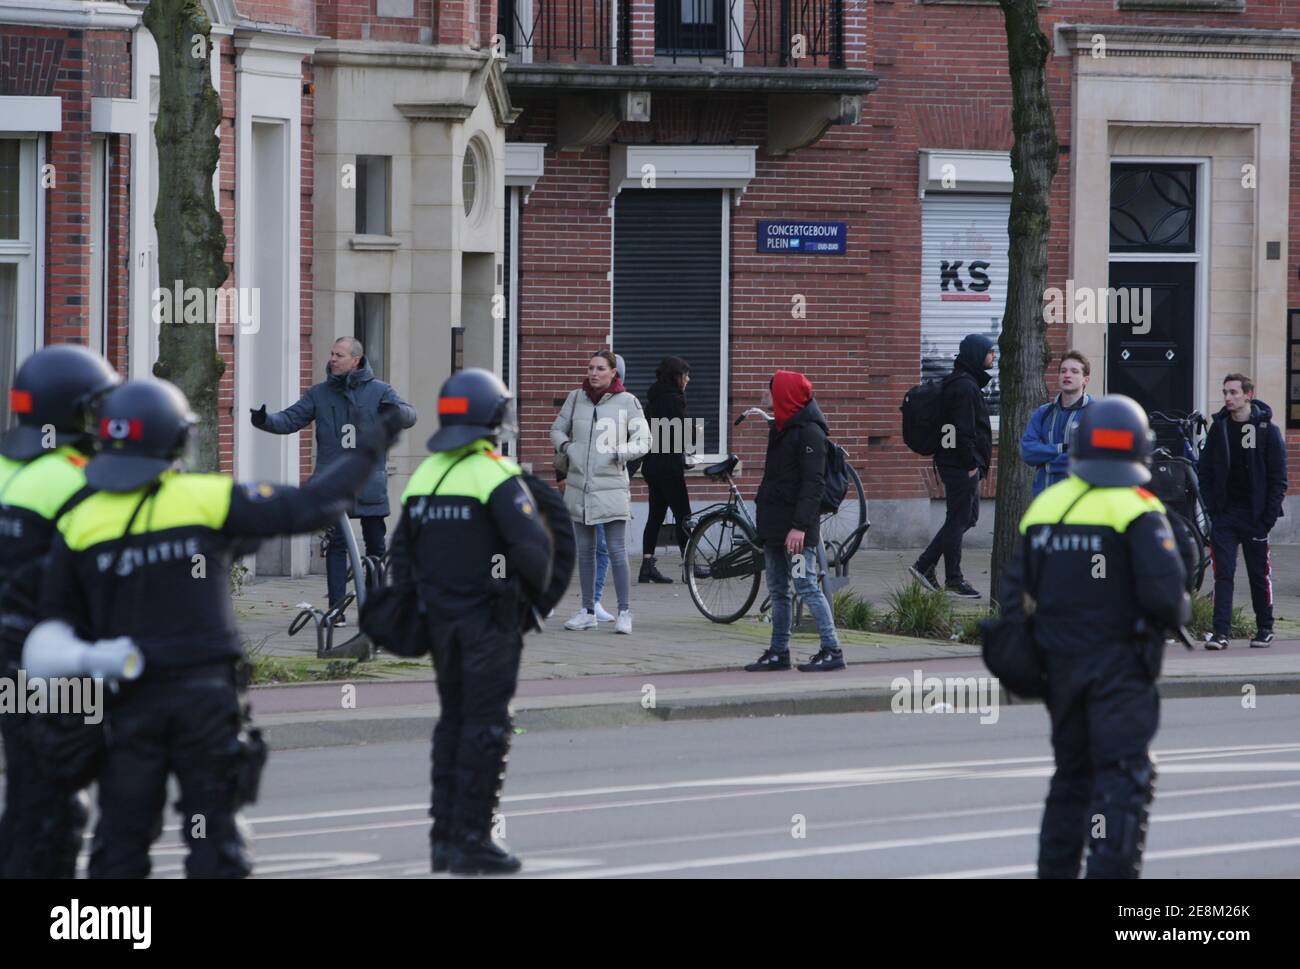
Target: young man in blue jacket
(1243,481)
(1045,444)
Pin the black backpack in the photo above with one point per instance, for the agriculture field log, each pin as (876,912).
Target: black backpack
(923,416)
(836,478)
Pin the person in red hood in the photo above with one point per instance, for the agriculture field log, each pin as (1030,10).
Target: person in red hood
(789,509)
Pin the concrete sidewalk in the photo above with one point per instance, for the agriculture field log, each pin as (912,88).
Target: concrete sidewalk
(678,665)
(670,635)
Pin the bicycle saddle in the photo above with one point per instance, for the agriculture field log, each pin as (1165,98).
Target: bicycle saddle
(722,467)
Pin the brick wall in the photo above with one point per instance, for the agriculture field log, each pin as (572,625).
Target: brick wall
(306,367)
(110,63)
(943,85)
(118,200)
(67,201)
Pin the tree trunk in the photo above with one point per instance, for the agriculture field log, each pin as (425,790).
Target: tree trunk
(1022,345)
(191,243)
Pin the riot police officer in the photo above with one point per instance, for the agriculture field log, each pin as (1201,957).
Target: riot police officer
(479,553)
(1101,574)
(148,556)
(42,476)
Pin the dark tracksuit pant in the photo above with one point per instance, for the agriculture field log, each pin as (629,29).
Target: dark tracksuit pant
(187,725)
(40,832)
(962,493)
(1228,530)
(373,533)
(477,670)
(666,493)
(1105,711)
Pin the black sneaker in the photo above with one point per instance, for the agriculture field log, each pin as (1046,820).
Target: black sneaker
(924,576)
(339,620)
(1263,639)
(770,660)
(823,662)
(1216,641)
(962,589)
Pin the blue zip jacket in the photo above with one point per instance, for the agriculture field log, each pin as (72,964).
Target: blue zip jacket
(1043,445)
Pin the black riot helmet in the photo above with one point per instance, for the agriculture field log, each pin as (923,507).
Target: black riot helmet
(472,404)
(56,388)
(143,428)
(1111,445)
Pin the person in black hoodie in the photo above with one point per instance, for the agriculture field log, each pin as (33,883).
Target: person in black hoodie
(664,469)
(789,510)
(1243,481)
(964,455)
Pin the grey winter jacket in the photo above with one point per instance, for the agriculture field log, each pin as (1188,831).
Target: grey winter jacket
(334,404)
(600,440)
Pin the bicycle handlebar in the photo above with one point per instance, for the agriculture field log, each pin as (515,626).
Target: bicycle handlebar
(752,412)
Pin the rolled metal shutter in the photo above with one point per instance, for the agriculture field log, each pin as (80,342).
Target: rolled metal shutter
(964,277)
(668,292)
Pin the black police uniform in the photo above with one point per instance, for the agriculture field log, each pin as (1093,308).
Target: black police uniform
(42,476)
(40,832)
(474,545)
(166,585)
(1105,572)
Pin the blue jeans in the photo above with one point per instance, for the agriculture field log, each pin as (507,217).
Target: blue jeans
(602,561)
(778,563)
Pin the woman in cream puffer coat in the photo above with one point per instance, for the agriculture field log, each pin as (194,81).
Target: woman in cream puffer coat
(599,429)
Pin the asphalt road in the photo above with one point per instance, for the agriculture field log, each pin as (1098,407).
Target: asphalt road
(873,795)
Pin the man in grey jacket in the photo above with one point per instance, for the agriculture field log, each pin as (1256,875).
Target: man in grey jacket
(340,405)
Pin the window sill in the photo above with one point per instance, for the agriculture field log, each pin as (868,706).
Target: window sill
(370,243)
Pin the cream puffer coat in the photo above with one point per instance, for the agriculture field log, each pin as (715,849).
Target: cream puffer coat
(599,441)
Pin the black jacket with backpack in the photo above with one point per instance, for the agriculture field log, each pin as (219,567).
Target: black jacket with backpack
(794,477)
(965,409)
(1265,466)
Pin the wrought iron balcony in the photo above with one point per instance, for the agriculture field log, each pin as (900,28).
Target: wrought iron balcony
(728,33)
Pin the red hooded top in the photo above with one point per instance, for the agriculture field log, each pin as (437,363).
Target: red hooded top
(791,391)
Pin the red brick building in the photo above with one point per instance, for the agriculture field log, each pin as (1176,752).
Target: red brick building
(385,173)
(922,185)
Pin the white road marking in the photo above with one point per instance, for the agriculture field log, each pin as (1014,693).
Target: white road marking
(1169,854)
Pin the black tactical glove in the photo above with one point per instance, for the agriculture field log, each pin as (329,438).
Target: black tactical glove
(258,416)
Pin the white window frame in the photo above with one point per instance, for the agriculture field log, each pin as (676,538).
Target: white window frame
(28,250)
(1200,257)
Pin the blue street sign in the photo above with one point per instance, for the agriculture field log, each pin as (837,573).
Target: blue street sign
(810,237)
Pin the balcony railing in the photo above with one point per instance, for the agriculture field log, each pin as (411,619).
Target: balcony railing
(750,33)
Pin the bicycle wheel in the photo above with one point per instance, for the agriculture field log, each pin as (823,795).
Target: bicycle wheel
(723,566)
(838,527)
(1193,547)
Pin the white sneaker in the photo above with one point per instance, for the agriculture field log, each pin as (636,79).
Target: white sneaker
(624,622)
(582,620)
(603,614)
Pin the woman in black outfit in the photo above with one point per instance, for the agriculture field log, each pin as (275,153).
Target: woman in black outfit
(664,470)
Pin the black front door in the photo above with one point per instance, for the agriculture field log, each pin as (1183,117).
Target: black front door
(1149,354)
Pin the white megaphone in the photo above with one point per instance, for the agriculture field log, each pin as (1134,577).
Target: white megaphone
(53,650)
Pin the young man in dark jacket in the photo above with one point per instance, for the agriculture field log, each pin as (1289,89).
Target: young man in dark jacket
(1243,481)
(789,510)
(348,397)
(964,455)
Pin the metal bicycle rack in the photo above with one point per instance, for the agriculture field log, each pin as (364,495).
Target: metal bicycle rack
(370,569)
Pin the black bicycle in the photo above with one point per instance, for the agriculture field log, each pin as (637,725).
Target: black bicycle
(724,558)
(1175,482)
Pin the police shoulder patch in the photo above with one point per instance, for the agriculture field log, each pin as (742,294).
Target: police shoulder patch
(259,490)
(524,502)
